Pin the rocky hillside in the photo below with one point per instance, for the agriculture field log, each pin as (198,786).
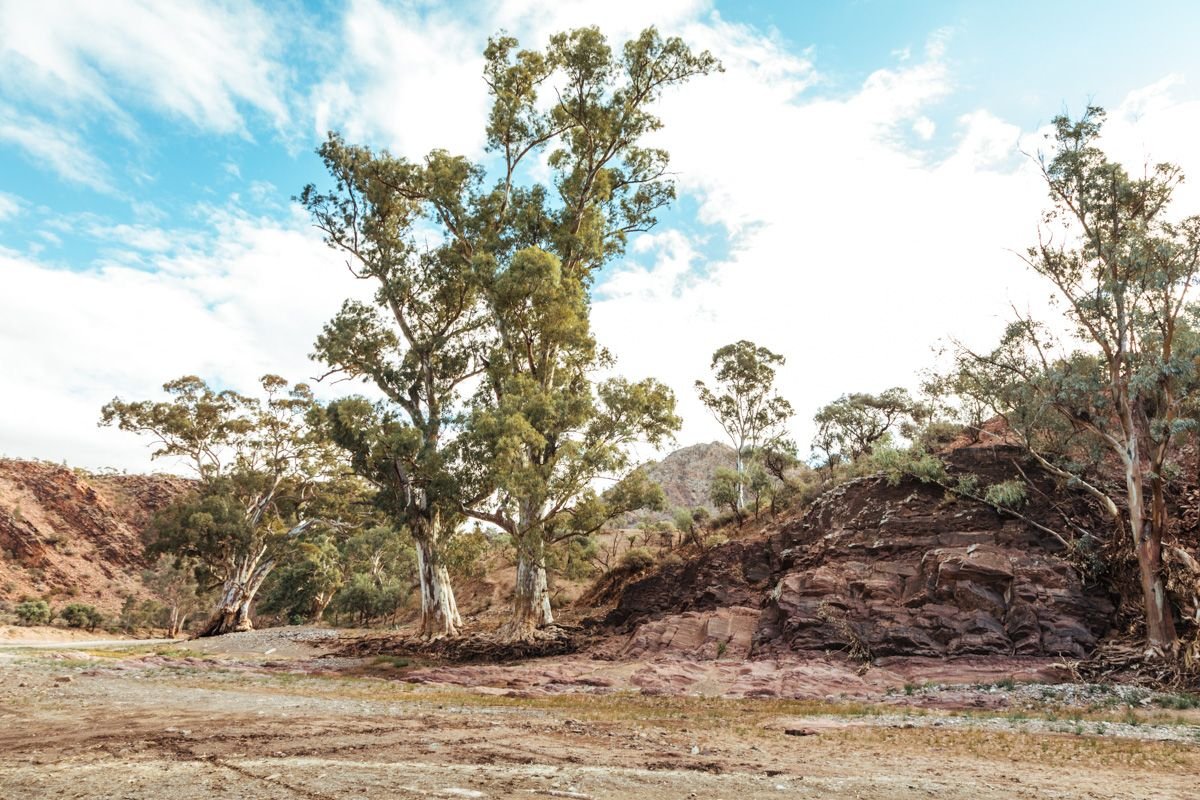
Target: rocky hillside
(685,474)
(71,535)
(877,570)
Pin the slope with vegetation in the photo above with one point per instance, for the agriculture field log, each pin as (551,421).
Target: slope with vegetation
(74,536)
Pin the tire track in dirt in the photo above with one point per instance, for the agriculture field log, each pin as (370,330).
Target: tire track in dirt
(175,748)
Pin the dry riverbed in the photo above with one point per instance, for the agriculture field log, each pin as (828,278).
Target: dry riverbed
(265,716)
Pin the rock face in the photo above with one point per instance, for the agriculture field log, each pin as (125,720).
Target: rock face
(879,570)
(74,535)
(686,473)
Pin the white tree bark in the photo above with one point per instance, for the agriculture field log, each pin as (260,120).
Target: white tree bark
(439,610)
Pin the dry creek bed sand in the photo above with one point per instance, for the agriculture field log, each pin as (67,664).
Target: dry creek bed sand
(263,715)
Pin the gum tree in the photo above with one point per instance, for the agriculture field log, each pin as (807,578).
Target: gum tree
(262,468)
(525,253)
(744,402)
(851,426)
(1116,388)
(417,343)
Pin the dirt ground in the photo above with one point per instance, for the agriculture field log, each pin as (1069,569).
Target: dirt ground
(264,715)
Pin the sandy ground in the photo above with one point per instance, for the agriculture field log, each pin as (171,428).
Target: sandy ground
(227,718)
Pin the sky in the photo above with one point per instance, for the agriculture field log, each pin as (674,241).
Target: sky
(852,189)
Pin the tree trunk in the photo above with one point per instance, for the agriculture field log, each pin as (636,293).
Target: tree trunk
(237,596)
(741,484)
(323,600)
(531,596)
(1147,542)
(439,611)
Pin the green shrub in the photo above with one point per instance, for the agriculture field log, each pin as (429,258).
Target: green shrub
(1009,494)
(637,559)
(34,612)
(672,560)
(81,615)
(464,553)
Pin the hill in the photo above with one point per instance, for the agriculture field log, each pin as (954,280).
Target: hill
(68,534)
(686,473)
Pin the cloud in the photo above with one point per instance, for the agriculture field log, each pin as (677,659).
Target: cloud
(858,232)
(854,247)
(58,149)
(10,206)
(203,63)
(409,76)
(249,302)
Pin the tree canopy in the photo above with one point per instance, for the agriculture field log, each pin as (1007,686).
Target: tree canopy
(744,401)
(1119,383)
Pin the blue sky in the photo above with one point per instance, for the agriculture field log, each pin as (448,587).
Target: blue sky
(853,156)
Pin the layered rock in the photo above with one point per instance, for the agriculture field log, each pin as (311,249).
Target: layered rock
(883,570)
(74,535)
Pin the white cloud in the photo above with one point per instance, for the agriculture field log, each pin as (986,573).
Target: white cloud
(55,148)
(203,63)
(410,76)
(854,245)
(853,252)
(251,303)
(10,206)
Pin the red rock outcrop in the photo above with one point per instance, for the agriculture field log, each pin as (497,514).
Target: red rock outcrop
(884,570)
(70,534)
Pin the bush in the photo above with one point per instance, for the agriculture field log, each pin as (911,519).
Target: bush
(464,554)
(1009,494)
(637,559)
(81,615)
(672,560)
(34,612)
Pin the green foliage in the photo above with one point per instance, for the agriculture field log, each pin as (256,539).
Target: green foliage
(366,600)
(34,612)
(140,614)
(744,401)
(1007,494)
(299,590)
(81,615)
(267,474)
(967,485)
(897,464)
(574,559)
(723,491)
(502,293)
(1124,382)
(685,523)
(855,424)
(637,559)
(465,554)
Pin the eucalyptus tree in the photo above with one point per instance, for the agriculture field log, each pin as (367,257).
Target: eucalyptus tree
(418,343)
(523,253)
(541,415)
(744,402)
(852,425)
(263,471)
(1117,386)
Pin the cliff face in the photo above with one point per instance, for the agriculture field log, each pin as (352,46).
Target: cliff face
(881,570)
(685,475)
(71,535)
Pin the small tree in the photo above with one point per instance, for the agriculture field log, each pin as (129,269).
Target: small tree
(262,467)
(744,402)
(854,424)
(175,585)
(1118,390)
(81,615)
(723,491)
(34,612)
